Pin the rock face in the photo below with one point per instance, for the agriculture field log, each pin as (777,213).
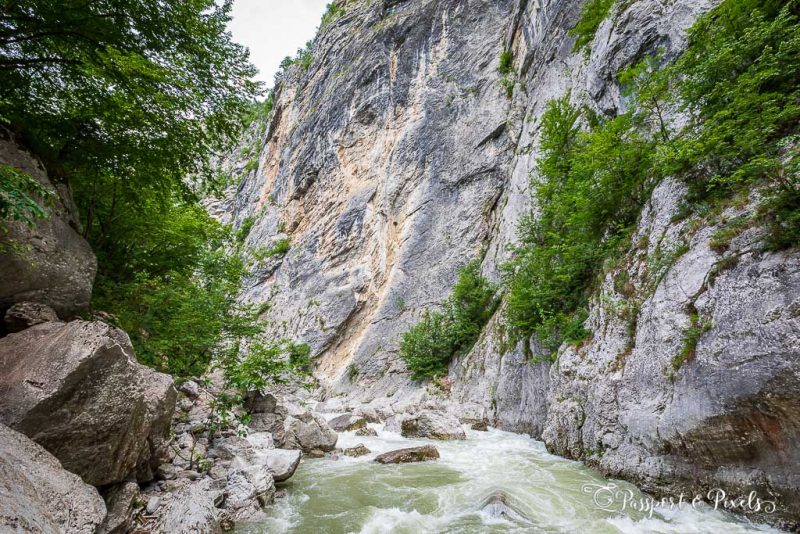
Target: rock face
(397,157)
(49,263)
(433,425)
(410,455)
(38,495)
(77,390)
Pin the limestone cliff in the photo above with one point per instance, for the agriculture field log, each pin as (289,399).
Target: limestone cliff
(397,156)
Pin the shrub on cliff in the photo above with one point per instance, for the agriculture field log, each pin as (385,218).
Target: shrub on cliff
(428,346)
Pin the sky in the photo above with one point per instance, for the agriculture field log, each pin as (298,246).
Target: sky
(274,29)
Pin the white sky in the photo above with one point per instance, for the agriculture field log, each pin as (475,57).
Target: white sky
(274,29)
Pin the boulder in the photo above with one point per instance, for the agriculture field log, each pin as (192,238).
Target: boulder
(347,423)
(247,491)
(309,431)
(38,495)
(433,425)
(192,509)
(366,431)
(77,390)
(480,426)
(369,413)
(413,454)
(23,315)
(393,423)
(48,262)
(281,463)
(190,389)
(355,452)
(121,501)
(267,415)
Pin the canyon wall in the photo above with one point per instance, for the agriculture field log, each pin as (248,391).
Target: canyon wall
(397,156)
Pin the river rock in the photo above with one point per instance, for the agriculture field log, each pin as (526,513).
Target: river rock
(355,452)
(433,425)
(247,491)
(38,495)
(267,414)
(347,423)
(24,315)
(480,426)
(281,463)
(309,431)
(48,262)
(413,454)
(366,431)
(67,385)
(192,509)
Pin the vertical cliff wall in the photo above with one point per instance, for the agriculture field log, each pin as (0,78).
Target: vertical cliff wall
(398,156)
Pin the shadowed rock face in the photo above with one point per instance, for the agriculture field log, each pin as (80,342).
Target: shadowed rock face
(397,157)
(77,390)
(38,495)
(49,263)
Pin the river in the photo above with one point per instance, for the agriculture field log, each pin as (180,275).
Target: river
(543,494)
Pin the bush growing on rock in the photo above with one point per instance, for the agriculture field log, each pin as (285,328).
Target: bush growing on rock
(428,346)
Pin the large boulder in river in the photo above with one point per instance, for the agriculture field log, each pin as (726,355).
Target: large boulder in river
(38,495)
(410,455)
(309,431)
(48,262)
(347,423)
(77,390)
(433,425)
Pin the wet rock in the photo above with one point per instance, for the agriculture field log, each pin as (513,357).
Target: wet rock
(413,454)
(66,384)
(121,502)
(433,425)
(500,505)
(355,452)
(480,426)
(281,463)
(394,423)
(315,453)
(23,315)
(309,431)
(366,431)
(38,495)
(369,413)
(347,423)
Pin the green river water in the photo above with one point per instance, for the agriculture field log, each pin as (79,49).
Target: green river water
(546,494)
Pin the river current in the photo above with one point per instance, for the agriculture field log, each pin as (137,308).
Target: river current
(494,482)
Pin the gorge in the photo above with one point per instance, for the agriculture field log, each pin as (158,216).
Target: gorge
(641,325)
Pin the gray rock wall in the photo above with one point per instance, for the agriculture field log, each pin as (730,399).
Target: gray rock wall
(49,263)
(397,157)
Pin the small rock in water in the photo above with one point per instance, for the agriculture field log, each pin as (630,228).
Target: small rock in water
(355,452)
(366,431)
(315,453)
(413,454)
(499,505)
(481,426)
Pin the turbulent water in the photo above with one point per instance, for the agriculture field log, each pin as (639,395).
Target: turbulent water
(459,493)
